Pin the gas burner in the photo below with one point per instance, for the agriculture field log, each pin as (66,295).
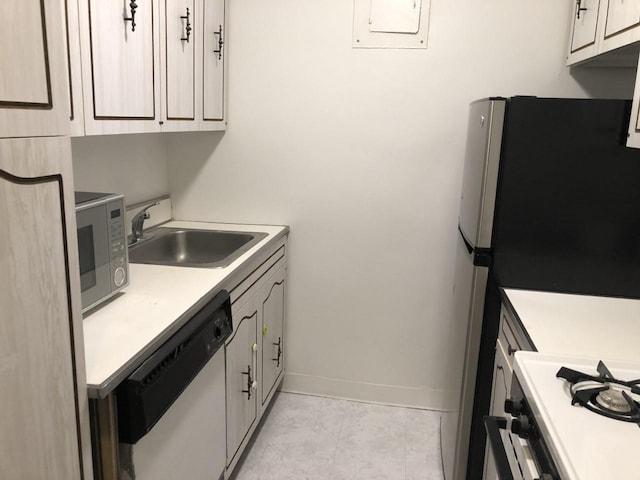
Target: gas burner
(604,394)
(614,401)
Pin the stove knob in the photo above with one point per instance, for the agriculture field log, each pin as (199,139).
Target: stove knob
(521,426)
(512,406)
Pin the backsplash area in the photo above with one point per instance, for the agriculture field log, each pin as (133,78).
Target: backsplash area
(135,165)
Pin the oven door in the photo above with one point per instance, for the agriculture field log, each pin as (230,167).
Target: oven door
(512,454)
(93,252)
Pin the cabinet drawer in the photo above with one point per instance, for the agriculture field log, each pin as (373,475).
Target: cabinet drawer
(255,274)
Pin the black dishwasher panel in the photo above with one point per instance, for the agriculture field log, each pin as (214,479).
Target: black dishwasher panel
(150,390)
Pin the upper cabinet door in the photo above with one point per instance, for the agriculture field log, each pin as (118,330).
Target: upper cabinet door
(33,92)
(180,31)
(622,15)
(120,65)
(74,72)
(584,24)
(213,58)
(122,42)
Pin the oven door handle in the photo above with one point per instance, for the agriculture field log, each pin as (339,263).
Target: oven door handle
(493,425)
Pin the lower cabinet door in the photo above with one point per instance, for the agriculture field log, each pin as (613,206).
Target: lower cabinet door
(272,312)
(241,379)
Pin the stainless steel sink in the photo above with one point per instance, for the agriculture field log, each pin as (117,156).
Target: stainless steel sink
(193,248)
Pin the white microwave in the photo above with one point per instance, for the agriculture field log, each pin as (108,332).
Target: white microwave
(102,246)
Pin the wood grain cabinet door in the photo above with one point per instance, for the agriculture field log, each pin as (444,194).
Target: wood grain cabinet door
(33,91)
(214,33)
(272,314)
(622,15)
(241,361)
(43,422)
(180,18)
(120,65)
(584,25)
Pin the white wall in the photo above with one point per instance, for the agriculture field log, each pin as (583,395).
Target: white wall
(135,165)
(360,152)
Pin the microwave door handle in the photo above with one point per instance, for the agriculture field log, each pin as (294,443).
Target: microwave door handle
(493,425)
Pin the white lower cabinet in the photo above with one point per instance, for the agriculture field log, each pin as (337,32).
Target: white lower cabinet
(241,350)
(254,351)
(507,344)
(501,386)
(272,314)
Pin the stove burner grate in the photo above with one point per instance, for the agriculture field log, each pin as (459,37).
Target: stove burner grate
(604,394)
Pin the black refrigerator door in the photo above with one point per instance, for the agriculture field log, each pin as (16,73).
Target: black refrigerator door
(568,213)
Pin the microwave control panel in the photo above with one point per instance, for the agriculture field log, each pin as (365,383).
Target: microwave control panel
(117,244)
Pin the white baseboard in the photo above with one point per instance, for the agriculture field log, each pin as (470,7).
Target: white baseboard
(420,397)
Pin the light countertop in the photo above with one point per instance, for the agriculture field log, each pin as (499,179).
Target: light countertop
(580,325)
(120,333)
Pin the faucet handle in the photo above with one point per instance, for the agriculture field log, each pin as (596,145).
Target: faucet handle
(137,223)
(143,213)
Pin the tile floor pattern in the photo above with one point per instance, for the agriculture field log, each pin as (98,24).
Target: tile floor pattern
(316,438)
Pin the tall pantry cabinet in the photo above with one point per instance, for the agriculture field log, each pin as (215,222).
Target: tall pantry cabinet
(44,423)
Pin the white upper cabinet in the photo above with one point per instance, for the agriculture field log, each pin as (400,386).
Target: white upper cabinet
(180,59)
(33,89)
(74,70)
(146,65)
(622,15)
(213,61)
(584,25)
(600,31)
(120,66)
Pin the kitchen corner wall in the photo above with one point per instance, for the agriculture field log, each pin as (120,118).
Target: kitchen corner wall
(135,165)
(360,152)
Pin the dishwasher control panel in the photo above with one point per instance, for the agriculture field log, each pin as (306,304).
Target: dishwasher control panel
(154,386)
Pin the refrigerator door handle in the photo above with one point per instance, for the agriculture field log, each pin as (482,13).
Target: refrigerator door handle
(467,245)
(481,257)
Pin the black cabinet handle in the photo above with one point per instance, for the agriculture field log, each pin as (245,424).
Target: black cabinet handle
(132,6)
(580,8)
(220,42)
(188,27)
(249,382)
(279,345)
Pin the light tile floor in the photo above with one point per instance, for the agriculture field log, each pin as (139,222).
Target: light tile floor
(315,438)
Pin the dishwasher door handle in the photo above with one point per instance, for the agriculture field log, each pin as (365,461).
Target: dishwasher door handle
(493,425)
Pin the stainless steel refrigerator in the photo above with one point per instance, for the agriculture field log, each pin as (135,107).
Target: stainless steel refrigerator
(550,201)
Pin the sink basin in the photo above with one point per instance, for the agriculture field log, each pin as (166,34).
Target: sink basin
(193,248)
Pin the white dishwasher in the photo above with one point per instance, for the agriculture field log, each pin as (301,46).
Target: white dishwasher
(171,410)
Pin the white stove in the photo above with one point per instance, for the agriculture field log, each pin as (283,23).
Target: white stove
(571,417)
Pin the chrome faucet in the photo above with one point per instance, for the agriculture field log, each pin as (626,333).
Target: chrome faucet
(137,223)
